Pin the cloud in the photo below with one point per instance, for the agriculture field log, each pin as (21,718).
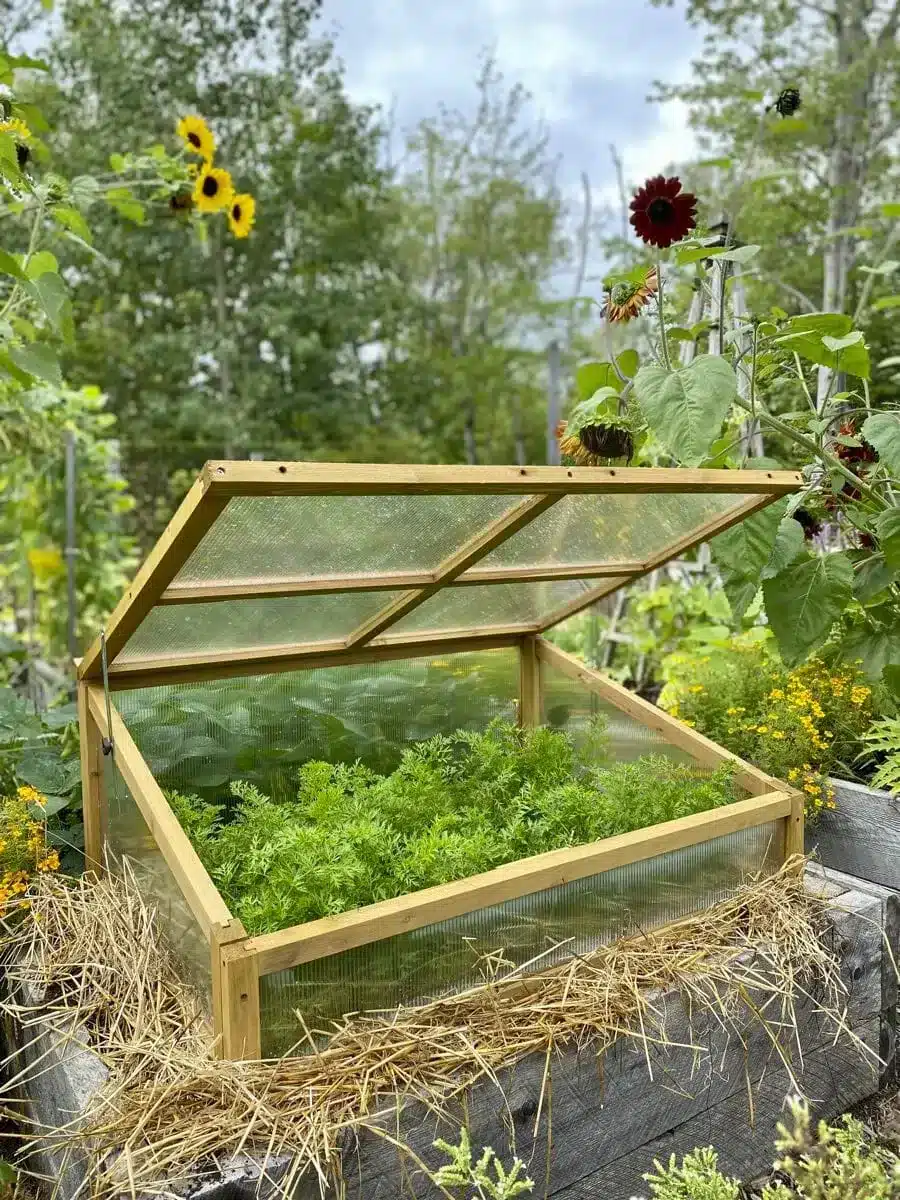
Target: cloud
(588,64)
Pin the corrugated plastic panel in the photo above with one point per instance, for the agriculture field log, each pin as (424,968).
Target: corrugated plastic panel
(540,929)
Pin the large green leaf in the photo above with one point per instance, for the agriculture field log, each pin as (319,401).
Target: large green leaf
(803,602)
(747,547)
(45,770)
(10,265)
(875,648)
(590,377)
(882,430)
(38,360)
(789,543)
(741,592)
(686,408)
(887,529)
(872,577)
(628,362)
(846,352)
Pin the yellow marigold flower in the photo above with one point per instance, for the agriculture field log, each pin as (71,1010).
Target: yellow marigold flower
(763,729)
(776,694)
(198,138)
(50,862)
(213,189)
(241,215)
(691,724)
(18,129)
(30,795)
(731,712)
(777,733)
(696,687)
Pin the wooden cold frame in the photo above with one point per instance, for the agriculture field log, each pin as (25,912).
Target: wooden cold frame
(238,961)
(539,488)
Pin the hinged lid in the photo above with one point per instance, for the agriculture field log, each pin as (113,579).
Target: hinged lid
(270,564)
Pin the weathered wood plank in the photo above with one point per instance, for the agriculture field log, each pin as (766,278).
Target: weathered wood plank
(834,1078)
(861,836)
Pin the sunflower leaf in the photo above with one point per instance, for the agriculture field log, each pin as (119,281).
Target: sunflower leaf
(887,530)
(590,377)
(686,408)
(804,601)
(882,430)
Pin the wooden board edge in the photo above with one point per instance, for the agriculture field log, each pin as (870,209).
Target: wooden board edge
(198,890)
(93,791)
(281,478)
(529,684)
(241,1030)
(702,748)
(333,935)
(192,520)
(201,668)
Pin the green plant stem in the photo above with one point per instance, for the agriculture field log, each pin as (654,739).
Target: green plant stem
(870,279)
(808,444)
(663,343)
(29,254)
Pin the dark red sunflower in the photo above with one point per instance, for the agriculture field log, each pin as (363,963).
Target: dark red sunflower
(662,213)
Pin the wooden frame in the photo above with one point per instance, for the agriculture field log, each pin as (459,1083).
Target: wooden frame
(538,487)
(238,962)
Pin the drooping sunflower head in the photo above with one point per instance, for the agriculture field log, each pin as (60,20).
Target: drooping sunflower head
(213,189)
(241,214)
(662,213)
(197,137)
(626,297)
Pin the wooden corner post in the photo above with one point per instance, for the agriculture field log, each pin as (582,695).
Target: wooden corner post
(235,994)
(529,683)
(794,827)
(93,792)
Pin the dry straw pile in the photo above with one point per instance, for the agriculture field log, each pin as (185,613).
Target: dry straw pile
(170,1106)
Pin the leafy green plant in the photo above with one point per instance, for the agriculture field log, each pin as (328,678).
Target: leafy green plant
(455,805)
(697,1177)
(801,724)
(484,1177)
(831,1162)
(882,741)
(828,1162)
(40,752)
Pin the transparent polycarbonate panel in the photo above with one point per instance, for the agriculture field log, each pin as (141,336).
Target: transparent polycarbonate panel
(540,929)
(199,737)
(129,840)
(611,528)
(251,624)
(272,537)
(479,606)
(570,706)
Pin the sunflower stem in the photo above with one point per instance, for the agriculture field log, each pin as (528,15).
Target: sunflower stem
(819,452)
(663,344)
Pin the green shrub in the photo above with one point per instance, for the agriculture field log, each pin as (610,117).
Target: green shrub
(455,806)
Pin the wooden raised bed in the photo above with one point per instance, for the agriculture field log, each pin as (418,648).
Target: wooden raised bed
(570,565)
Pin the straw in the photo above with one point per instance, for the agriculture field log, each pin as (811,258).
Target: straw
(171,1109)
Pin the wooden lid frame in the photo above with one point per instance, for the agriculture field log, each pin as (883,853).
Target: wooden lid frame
(539,487)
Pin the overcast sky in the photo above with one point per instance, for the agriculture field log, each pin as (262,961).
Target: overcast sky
(589,65)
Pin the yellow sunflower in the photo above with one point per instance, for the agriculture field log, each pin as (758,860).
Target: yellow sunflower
(213,189)
(198,138)
(17,128)
(625,300)
(241,214)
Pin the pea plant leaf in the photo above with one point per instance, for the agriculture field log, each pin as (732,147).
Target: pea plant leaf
(882,430)
(686,408)
(803,602)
